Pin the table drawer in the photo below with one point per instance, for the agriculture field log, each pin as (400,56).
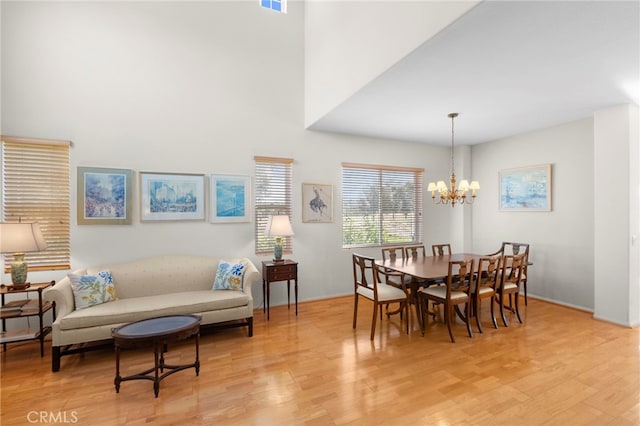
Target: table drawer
(279,273)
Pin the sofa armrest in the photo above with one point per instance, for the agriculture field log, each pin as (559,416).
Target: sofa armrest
(251,277)
(62,295)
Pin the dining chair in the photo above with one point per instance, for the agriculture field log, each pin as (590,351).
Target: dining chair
(486,285)
(395,253)
(512,248)
(392,253)
(367,284)
(414,251)
(456,291)
(441,249)
(509,283)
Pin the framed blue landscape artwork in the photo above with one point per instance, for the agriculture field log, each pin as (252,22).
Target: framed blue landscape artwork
(526,189)
(104,196)
(230,199)
(172,196)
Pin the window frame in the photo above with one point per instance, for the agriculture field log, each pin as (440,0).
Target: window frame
(35,185)
(354,176)
(279,6)
(266,205)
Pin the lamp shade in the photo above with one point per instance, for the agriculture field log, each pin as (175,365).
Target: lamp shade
(21,238)
(278,226)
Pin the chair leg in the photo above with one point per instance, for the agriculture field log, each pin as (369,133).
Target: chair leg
(373,320)
(524,286)
(517,296)
(448,313)
(478,304)
(405,307)
(493,316)
(423,304)
(504,318)
(355,310)
(469,331)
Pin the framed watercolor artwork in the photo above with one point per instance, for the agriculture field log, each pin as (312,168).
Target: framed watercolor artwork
(526,189)
(104,196)
(172,196)
(317,203)
(230,199)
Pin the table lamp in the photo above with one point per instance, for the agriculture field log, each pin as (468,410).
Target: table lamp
(278,226)
(20,238)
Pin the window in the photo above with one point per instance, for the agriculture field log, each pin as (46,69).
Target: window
(277,5)
(35,188)
(381,205)
(273,196)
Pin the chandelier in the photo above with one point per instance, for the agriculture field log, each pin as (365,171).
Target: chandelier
(452,195)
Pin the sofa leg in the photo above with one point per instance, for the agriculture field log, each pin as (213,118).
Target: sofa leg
(250,323)
(55,358)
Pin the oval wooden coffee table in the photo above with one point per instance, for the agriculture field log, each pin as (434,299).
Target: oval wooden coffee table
(156,332)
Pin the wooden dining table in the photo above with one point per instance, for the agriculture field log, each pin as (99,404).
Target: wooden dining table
(427,268)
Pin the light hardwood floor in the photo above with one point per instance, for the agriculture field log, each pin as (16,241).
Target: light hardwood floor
(559,368)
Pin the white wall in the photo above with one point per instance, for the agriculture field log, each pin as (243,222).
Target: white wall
(634,215)
(561,240)
(198,87)
(337,65)
(616,211)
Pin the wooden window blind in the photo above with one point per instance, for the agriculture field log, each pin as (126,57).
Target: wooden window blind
(273,178)
(35,188)
(381,205)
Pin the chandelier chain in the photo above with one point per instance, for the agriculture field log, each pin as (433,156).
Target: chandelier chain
(453,194)
(453,169)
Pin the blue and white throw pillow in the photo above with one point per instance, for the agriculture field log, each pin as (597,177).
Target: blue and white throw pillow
(91,290)
(229,276)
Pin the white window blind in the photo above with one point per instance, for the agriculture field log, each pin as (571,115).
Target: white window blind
(272,197)
(35,188)
(381,205)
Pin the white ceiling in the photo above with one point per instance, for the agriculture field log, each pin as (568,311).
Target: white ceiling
(507,67)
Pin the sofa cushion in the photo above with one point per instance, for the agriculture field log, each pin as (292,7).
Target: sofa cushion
(139,308)
(91,290)
(229,276)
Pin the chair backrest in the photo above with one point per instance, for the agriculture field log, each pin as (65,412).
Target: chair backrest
(441,249)
(460,276)
(365,273)
(414,251)
(515,249)
(509,247)
(512,269)
(489,271)
(392,253)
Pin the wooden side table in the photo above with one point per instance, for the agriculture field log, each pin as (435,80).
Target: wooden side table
(272,271)
(25,308)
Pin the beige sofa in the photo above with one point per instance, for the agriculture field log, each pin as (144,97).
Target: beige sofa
(147,288)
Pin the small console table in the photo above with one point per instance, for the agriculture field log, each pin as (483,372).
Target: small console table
(273,271)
